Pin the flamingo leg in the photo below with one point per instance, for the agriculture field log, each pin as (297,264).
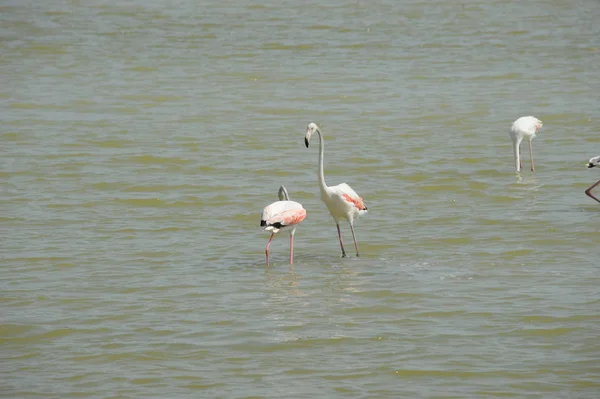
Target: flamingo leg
(267,249)
(588,192)
(531,155)
(291,249)
(354,237)
(341,243)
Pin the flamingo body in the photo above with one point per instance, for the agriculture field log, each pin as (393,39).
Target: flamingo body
(282,215)
(524,128)
(343,203)
(593,162)
(341,200)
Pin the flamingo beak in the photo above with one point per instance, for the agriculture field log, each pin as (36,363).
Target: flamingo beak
(589,165)
(307,138)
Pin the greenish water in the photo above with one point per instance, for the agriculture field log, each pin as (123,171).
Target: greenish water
(141,140)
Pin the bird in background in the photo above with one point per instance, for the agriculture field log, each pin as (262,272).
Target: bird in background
(282,215)
(524,128)
(341,200)
(593,162)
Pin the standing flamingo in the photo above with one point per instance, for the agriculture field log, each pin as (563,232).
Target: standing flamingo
(342,200)
(593,162)
(524,127)
(282,215)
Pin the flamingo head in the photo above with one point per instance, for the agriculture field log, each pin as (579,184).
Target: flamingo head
(595,161)
(310,130)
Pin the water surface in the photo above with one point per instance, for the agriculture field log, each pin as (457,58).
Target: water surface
(142,139)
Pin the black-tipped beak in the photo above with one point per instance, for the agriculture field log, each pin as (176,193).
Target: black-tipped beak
(306,142)
(590,165)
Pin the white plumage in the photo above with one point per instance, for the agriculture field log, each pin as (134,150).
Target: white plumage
(595,161)
(524,128)
(341,200)
(282,215)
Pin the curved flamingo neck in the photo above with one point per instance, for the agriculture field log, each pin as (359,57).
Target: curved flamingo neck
(516,145)
(322,184)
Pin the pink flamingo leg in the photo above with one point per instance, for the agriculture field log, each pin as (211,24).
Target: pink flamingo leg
(589,190)
(291,249)
(531,155)
(354,237)
(267,249)
(341,243)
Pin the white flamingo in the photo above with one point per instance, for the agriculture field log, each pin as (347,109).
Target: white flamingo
(280,216)
(341,200)
(592,163)
(524,127)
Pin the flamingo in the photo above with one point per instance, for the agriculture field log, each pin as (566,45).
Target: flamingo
(282,215)
(524,127)
(341,200)
(595,161)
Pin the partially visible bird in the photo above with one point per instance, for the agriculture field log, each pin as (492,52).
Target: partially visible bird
(341,200)
(595,161)
(524,127)
(282,215)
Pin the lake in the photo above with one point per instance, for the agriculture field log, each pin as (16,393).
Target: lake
(142,139)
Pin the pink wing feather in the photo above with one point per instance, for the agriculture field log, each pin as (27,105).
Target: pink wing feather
(281,214)
(352,197)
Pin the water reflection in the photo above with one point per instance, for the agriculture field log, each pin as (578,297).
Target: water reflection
(278,279)
(530,181)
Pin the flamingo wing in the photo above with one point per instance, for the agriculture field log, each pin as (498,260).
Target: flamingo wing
(350,196)
(281,214)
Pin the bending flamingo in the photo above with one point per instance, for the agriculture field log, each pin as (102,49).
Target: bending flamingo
(282,215)
(524,127)
(593,162)
(341,200)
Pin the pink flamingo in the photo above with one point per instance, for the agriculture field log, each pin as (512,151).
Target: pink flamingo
(282,215)
(595,161)
(524,127)
(341,200)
